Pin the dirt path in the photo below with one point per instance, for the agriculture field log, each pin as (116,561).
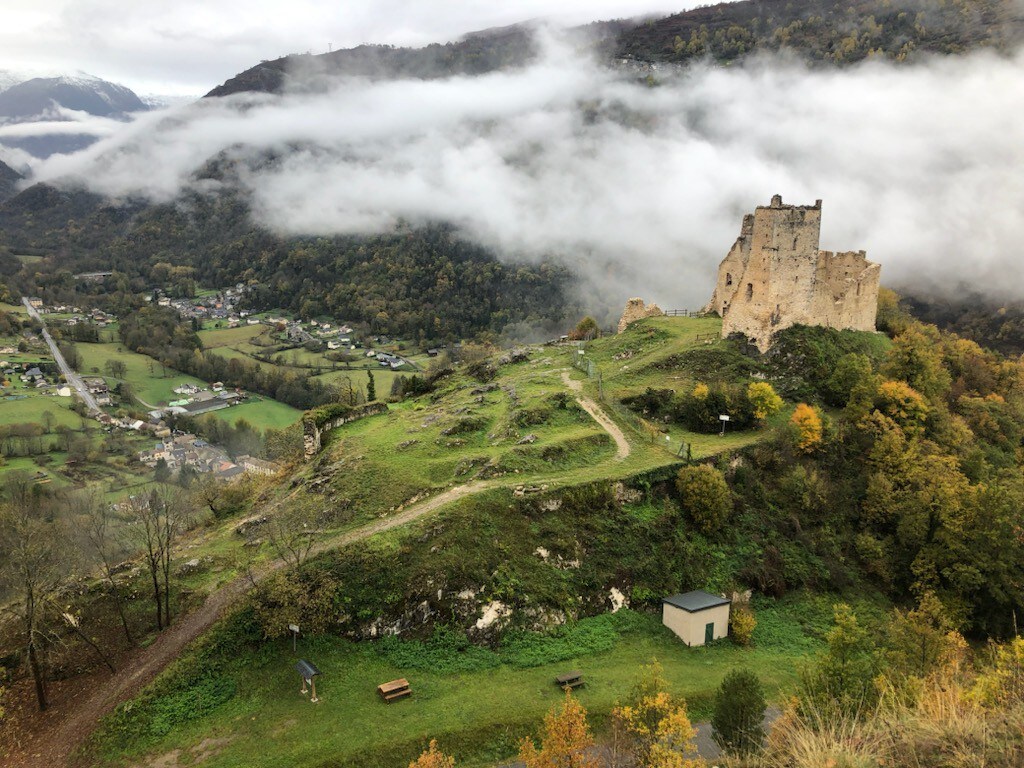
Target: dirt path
(60,731)
(609,426)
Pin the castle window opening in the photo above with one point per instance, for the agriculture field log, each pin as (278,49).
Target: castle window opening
(728,278)
(750,291)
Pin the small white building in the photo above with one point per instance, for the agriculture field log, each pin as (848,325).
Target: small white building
(696,617)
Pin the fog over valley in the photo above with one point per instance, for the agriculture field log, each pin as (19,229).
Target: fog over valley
(639,185)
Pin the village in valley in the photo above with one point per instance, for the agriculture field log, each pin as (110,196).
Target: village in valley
(145,404)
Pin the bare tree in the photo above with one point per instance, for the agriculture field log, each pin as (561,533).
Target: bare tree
(292,532)
(159,519)
(97,520)
(31,555)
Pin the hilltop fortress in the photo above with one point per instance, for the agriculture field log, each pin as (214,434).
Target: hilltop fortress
(774,277)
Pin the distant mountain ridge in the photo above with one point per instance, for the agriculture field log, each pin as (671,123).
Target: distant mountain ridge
(829,31)
(82,93)
(41,98)
(473,54)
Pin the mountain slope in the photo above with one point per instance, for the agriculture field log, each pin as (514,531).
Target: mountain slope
(8,181)
(43,98)
(473,54)
(827,30)
(82,93)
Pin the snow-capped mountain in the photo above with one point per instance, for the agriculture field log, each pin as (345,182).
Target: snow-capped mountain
(80,92)
(28,106)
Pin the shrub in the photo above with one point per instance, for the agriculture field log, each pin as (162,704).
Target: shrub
(742,624)
(705,495)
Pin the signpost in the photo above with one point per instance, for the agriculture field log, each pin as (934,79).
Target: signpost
(723,418)
(294,629)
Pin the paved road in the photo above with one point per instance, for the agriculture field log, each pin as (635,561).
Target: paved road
(72,378)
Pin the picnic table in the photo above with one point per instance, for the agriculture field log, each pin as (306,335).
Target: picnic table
(395,689)
(570,680)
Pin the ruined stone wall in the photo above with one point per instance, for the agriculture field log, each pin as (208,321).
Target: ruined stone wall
(774,276)
(637,310)
(319,421)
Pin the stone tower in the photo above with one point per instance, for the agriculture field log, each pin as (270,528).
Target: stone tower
(774,277)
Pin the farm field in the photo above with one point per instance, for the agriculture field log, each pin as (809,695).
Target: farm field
(262,413)
(148,379)
(31,407)
(230,337)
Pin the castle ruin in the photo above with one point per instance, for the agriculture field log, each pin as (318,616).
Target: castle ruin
(774,277)
(637,310)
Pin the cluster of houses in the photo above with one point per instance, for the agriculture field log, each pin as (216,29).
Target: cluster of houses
(332,336)
(194,401)
(95,316)
(31,376)
(221,306)
(99,390)
(186,450)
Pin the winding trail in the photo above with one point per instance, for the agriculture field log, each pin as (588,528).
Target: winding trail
(63,729)
(598,415)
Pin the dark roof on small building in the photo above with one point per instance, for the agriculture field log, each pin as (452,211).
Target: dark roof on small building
(695,601)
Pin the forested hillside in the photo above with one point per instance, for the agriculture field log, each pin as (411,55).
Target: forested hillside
(827,31)
(426,284)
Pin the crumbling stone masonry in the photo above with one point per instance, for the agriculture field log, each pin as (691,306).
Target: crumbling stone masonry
(636,310)
(774,277)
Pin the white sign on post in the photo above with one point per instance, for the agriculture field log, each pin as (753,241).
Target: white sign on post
(723,418)
(294,628)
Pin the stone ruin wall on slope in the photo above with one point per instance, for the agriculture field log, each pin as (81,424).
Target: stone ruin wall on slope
(775,276)
(637,310)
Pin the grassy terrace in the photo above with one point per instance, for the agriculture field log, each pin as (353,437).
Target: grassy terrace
(476,702)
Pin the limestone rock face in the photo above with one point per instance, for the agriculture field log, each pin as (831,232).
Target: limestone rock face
(774,277)
(637,310)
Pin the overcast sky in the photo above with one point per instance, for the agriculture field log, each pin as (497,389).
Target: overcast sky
(189,46)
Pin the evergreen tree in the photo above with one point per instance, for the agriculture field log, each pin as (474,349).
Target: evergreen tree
(739,713)
(371,387)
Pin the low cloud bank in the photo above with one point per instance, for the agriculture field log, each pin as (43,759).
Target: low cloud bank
(641,189)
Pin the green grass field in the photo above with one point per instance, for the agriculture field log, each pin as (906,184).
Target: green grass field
(31,409)
(261,412)
(148,379)
(230,337)
(149,382)
(476,702)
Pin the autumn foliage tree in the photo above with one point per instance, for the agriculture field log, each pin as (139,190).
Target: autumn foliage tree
(764,401)
(807,428)
(433,758)
(657,729)
(566,741)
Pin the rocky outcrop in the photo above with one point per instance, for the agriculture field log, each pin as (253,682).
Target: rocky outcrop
(637,310)
(774,277)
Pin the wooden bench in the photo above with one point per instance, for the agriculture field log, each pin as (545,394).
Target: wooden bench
(396,689)
(570,680)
